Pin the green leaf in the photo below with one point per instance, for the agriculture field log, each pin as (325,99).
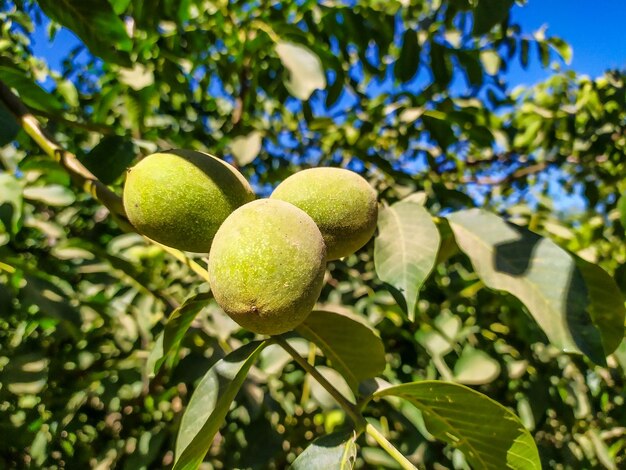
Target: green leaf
(305,69)
(138,77)
(489,435)
(95,23)
(336,451)
(405,249)
(26,374)
(489,13)
(177,325)
(353,348)
(470,61)
(209,404)
(52,195)
(491,61)
(524,56)
(439,128)
(564,49)
(408,62)
(30,93)
(544,53)
(68,91)
(440,341)
(110,158)
(621,206)
(476,367)
(577,304)
(245,148)
(8,126)
(440,64)
(11,203)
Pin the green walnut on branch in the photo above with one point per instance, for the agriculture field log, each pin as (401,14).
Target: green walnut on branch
(181,197)
(341,202)
(267,257)
(266,266)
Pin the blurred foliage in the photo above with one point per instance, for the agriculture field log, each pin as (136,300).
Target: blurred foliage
(412,95)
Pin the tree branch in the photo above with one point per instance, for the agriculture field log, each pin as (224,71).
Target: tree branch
(81,176)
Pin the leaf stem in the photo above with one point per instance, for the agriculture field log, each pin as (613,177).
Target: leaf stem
(349,408)
(389,447)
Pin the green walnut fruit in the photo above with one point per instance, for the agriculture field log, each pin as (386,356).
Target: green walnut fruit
(181,197)
(341,202)
(266,266)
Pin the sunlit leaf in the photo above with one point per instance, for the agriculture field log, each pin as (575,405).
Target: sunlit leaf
(210,403)
(53,195)
(95,22)
(489,435)
(352,347)
(476,367)
(305,69)
(246,148)
(138,77)
(576,303)
(336,451)
(491,61)
(405,249)
(177,325)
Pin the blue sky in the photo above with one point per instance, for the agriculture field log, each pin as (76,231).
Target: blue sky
(595,29)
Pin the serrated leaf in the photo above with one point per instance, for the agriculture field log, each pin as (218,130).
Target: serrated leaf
(177,325)
(336,451)
(489,435)
(405,249)
(476,367)
(246,148)
(110,158)
(408,61)
(577,304)
(353,348)
(489,13)
(209,404)
(52,195)
(305,69)
(95,23)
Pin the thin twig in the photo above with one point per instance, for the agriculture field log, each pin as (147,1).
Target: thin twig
(349,408)
(389,447)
